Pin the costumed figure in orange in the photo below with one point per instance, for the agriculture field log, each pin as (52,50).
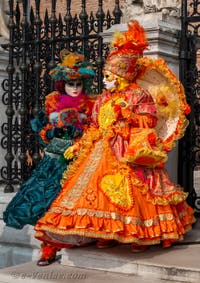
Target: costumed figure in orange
(117,189)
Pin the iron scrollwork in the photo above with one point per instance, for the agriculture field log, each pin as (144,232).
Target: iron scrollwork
(189,146)
(34,47)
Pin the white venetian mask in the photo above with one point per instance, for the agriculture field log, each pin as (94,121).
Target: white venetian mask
(110,80)
(73,88)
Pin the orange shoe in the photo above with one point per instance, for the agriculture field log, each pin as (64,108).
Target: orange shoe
(103,244)
(166,244)
(48,255)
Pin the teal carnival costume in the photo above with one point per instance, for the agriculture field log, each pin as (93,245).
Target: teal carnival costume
(62,122)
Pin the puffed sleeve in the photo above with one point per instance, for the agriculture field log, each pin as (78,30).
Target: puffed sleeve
(138,109)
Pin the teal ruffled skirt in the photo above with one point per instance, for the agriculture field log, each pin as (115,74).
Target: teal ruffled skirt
(35,195)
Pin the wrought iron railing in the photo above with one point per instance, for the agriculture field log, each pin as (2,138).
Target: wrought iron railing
(33,48)
(189,146)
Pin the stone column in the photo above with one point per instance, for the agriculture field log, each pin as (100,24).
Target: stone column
(140,8)
(3,19)
(162,24)
(4,36)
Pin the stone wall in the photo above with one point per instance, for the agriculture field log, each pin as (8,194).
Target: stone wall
(3,76)
(140,8)
(3,19)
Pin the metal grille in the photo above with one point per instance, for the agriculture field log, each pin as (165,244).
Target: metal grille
(34,48)
(189,146)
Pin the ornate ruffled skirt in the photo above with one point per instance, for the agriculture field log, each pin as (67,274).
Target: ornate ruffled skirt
(36,194)
(104,198)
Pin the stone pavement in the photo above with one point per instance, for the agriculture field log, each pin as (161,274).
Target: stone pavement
(57,273)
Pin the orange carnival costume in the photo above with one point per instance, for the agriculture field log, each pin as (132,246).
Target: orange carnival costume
(117,188)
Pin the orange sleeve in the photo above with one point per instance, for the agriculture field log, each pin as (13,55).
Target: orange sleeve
(51,101)
(43,132)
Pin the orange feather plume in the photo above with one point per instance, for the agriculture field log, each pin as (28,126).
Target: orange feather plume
(134,40)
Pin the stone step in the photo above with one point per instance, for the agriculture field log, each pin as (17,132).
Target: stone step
(58,273)
(178,263)
(16,246)
(13,255)
(156,265)
(4,200)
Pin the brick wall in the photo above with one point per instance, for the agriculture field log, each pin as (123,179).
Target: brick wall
(91,5)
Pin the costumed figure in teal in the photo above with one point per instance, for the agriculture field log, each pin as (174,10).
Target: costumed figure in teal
(66,115)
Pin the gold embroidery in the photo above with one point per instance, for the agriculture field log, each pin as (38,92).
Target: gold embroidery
(106,113)
(84,178)
(86,145)
(116,216)
(90,196)
(118,189)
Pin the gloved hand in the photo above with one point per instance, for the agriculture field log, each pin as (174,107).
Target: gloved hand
(71,151)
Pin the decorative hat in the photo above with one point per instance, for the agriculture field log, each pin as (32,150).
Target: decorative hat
(72,67)
(126,49)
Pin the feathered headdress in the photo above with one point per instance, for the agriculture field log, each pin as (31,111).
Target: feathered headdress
(126,49)
(72,67)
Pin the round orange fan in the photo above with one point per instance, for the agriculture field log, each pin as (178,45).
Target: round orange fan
(169,97)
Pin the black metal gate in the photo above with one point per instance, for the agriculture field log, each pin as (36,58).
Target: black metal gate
(34,48)
(189,146)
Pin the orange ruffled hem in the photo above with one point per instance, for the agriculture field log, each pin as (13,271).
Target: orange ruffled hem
(165,226)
